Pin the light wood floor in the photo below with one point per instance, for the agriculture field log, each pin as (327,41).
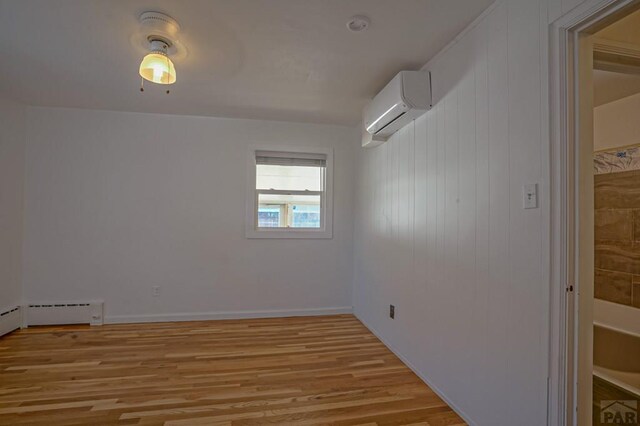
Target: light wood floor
(285,371)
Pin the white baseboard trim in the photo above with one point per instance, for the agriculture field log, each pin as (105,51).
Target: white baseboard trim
(421,375)
(10,320)
(204,316)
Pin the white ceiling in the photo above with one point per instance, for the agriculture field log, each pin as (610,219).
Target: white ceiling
(290,60)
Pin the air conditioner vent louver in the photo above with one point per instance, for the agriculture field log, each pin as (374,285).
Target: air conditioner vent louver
(390,123)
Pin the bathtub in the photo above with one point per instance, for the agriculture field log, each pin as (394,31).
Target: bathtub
(616,345)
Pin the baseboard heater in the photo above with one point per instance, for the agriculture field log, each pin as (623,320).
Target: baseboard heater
(10,320)
(64,313)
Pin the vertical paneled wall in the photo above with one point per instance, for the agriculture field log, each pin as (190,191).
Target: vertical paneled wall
(442,233)
(556,8)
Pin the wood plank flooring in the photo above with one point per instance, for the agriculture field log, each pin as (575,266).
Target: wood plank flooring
(281,371)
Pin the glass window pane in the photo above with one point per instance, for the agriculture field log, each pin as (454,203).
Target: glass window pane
(269,216)
(305,216)
(294,178)
(289,211)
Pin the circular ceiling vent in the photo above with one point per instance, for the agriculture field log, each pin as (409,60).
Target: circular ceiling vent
(358,23)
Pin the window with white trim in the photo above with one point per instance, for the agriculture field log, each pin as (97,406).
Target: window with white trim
(290,197)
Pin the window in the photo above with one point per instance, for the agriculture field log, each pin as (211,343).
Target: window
(290,194)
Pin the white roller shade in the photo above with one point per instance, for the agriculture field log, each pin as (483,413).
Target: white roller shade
(274,158)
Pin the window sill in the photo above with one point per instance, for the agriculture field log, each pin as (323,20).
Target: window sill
(289,234)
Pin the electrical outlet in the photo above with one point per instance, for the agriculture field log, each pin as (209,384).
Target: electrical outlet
(530,196)
(155,291)
(392,311)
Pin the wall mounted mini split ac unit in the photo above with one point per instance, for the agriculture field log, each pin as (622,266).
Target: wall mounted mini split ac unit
(406,97)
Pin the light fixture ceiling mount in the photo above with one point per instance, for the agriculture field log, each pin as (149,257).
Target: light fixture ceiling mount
(159,26)
(158,37)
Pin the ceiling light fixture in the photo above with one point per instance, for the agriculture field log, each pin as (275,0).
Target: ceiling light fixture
(358,23)
(158,34)
(156,66)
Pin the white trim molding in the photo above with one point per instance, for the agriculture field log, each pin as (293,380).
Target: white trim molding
(224,315)
(612,47)
(615,56)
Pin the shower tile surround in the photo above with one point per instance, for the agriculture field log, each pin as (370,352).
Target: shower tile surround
(617,226)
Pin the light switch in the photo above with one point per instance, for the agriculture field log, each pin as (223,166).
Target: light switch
(530,196)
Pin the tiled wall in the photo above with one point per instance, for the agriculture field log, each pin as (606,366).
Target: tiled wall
(617,234)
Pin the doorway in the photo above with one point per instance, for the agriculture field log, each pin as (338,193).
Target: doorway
(591,68)
(616,143)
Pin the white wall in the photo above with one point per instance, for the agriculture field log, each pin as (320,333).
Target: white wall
(441,232)
(12,151)
(117,203)
(617,123)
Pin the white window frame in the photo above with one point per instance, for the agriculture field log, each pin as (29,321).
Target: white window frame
(326,204)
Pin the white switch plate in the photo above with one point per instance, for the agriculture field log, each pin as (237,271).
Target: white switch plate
(530,196)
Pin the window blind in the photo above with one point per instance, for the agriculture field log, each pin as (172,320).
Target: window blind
(274,158)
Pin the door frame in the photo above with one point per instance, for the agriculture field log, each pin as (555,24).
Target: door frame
(571,191)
